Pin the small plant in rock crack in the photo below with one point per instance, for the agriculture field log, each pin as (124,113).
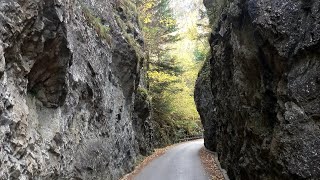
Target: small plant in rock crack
(95,22)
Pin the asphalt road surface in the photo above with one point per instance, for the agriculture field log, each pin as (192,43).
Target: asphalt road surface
(182,162)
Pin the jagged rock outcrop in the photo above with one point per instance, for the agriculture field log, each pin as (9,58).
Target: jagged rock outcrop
(258,95)
(69,73)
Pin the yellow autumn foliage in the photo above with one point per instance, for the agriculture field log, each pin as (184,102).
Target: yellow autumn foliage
(161,77)
(173,66)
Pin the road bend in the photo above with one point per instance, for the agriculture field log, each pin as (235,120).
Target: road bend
(182,162)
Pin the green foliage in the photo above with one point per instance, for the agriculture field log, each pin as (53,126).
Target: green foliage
(199,55)
(95,22)
(142,95)
(128,7)
(158,23)
(143,92)
(175,57)
(126,24)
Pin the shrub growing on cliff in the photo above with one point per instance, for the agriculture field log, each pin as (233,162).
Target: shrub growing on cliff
(95,22)
(143,95)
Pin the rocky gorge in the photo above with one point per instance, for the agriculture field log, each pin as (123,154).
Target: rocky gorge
(73,104)
(258,94)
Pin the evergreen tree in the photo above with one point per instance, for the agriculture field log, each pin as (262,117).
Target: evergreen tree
(171,81)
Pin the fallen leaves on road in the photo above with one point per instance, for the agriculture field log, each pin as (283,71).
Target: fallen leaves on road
(146,161)
(210,165)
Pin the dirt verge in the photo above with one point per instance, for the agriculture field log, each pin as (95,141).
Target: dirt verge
(144,161)
(209,163)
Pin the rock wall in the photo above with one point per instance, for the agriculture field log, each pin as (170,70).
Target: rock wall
(69,74)
(259,93)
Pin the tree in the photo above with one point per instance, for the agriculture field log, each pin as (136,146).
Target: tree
(172,70)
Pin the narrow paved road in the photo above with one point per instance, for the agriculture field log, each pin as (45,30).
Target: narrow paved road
(181,162)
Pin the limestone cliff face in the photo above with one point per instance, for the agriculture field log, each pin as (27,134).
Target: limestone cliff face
(69,74)
(258,95)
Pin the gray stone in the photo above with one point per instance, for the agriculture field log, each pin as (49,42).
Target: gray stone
(67,92)
(258,95)
(2,61)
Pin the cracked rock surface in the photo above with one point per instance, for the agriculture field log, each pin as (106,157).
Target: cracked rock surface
(69,74)
(258,95)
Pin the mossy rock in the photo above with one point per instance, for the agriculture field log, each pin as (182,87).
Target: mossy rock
(102,30)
